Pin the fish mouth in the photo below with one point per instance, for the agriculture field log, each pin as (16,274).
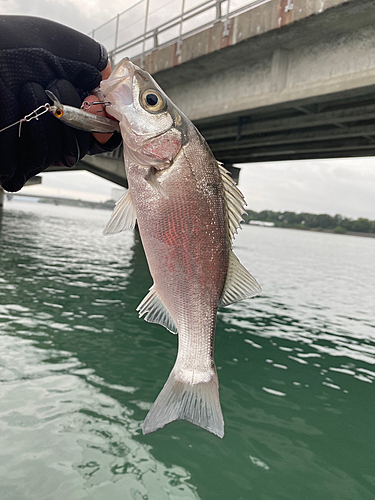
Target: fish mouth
(122,75)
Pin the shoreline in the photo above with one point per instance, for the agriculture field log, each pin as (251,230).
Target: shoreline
(347,233)
(329,231)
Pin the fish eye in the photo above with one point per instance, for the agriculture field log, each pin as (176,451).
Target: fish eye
(152,101)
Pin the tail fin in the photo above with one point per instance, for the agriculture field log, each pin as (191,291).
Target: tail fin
(196,403)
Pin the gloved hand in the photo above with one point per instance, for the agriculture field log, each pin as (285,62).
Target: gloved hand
(37,54)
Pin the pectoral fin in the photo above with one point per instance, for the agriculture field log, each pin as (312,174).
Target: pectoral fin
(239,284)
(123,216)
(155,183)
(156,312)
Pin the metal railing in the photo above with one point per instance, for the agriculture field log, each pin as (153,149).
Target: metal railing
(142,28)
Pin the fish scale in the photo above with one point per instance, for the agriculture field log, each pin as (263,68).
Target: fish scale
(188,210)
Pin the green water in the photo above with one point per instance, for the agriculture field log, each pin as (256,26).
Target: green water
(79,370)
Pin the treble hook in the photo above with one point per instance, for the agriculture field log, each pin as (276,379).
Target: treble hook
(87,105)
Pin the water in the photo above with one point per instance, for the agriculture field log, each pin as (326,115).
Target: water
(79,370)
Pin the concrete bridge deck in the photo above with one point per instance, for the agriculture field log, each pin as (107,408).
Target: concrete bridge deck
(282,84)
(285,80)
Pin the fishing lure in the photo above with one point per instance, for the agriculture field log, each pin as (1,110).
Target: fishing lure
(74,117)
(79,119)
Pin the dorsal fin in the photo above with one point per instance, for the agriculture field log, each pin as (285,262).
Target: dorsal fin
(235,203)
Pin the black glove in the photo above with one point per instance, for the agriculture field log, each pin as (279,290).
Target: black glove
(37,54)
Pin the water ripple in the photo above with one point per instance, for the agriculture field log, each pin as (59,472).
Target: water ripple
(79,370)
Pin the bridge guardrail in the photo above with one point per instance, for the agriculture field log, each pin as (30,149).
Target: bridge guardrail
(138,30)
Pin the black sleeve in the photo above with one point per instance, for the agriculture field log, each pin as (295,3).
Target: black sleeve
(37,54)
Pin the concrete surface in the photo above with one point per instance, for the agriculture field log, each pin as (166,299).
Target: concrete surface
(285,83)
(301,67)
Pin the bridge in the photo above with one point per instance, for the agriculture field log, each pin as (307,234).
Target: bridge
(263,80)
(60,200)
(285,80)
(271,80)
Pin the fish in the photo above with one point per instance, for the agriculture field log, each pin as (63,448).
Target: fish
(80,119)
(188,210)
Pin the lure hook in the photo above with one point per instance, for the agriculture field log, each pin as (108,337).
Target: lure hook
(87,105)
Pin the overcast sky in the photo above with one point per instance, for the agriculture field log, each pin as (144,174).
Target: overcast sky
(82,15)
(344,186)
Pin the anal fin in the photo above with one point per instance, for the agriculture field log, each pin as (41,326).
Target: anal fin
(155,311)
(123,216)
(239,284)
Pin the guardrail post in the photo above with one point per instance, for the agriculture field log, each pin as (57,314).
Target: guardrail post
(179,41)
(156,41)
(145,28)
(218,10)
(111,58)
(116,32)
(226,22)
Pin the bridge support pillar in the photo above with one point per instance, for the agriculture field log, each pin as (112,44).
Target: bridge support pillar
(1,197)
(234,171)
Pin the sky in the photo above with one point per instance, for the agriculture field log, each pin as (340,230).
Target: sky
(82,15)
(344,186)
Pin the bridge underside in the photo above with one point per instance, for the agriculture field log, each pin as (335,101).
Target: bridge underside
(286,86)
(109,166)
(289,86)
(336,128)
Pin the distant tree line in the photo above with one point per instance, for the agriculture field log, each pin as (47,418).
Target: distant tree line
(318,222)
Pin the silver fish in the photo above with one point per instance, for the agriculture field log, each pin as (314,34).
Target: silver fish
(188,209)
(79,119)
